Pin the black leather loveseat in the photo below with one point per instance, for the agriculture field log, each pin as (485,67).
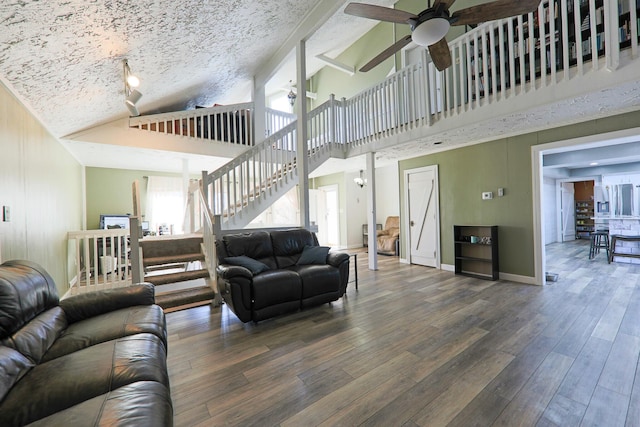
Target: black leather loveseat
(265,274)
(88,360)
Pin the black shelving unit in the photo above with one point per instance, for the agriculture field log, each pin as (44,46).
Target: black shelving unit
(476,251)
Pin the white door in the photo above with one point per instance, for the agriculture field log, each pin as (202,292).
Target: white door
(568,212)
(423,219)
(327,215)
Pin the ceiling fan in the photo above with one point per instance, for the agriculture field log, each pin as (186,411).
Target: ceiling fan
(429,27)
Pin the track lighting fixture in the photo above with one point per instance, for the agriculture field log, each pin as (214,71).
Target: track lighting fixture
(132,95)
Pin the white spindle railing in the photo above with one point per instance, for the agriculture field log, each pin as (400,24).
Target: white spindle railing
(101,259)
(276,120)
(259,172)
(232,124)
(560,41)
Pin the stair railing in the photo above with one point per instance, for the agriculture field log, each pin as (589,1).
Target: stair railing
(101,259)
(276,120)
(209,227)
(264,169)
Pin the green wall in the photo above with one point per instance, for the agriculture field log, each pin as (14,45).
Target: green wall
(109,191)
(464,173)
(329,80)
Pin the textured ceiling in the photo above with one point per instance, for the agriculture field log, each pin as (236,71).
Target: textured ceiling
(63,58)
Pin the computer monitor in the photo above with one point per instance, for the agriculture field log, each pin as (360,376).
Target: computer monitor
(114,221)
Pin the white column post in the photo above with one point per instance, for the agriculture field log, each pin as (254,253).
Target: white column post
(301,134)
(371,210)
(259,112)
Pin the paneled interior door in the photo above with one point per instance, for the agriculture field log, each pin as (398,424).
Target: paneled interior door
(424,229)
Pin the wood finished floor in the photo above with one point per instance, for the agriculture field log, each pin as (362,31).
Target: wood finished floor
(419,346)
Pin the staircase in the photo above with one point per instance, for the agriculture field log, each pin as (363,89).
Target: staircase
(502,71)
(169,261)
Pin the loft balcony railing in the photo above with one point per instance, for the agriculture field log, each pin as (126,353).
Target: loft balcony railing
(232,124)
(560,42)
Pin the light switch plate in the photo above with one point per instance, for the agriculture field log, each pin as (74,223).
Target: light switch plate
(6,213)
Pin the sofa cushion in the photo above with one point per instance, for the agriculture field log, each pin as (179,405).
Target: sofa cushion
(274,287)
(35,338)
(109,326)
(140,403)
(313,255)
(254,266)
(13,366)
(256,245)
(71,379)
(318,279)
(91,304)
(289,244)
(26,290)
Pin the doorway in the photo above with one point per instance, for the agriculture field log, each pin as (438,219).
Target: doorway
(624,140)
(422,216)
(328,215)
(567,212)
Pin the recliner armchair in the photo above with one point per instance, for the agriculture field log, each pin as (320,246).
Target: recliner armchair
(388,238)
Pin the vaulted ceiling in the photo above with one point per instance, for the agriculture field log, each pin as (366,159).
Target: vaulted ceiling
(63,58)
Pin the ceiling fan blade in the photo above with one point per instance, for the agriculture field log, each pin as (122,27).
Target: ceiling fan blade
(386,53)
(446,3)
(378,12)
(440,54)
(494,10)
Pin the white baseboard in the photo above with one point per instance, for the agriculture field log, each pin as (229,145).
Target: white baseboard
(448,267)
(404,261)
(528,280)
(503,276)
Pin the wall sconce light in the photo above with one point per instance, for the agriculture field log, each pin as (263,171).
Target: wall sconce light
(360,181)
(131,94)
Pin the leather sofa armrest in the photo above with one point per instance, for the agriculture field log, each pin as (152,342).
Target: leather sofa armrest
(227,271)
(84,306)
(382,233)
(336,258)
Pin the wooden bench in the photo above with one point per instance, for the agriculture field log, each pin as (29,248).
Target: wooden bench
(614,239)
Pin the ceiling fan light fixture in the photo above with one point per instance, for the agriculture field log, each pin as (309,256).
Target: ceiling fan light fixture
(430,31)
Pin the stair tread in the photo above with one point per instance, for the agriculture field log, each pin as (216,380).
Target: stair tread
(170,246)
(169,259)
(161,279)
(185,296)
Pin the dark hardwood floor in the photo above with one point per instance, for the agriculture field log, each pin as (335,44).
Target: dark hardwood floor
(419,346)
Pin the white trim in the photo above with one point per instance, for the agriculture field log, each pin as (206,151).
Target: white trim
(340,66)
(537,151)
(448,267)
(407,233)
(404,261)
(518,278)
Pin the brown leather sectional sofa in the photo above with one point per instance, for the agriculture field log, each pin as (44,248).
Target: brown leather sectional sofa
(93,359)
